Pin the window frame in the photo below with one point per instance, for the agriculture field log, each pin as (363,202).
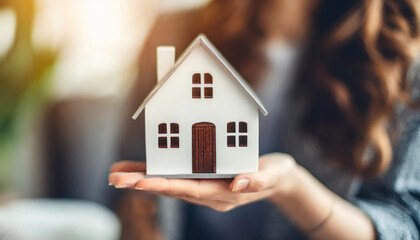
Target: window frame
(202,86)
(237,134)
(168,139)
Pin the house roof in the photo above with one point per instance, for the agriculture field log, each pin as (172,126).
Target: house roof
(203,41)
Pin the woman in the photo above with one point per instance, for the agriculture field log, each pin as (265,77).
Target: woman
(333,75)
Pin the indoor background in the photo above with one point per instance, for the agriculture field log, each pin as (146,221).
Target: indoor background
(65,68)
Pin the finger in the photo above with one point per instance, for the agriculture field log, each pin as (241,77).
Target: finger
(249,182)
(128,166)
(112,177)
(188,187)
(127,180)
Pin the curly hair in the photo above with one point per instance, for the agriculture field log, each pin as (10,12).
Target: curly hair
(352,76)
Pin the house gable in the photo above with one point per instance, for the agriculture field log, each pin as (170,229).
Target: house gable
(201,44)
(175,97)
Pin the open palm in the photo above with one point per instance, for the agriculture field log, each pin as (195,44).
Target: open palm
(219,194)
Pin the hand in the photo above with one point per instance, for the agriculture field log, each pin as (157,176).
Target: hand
(273,178)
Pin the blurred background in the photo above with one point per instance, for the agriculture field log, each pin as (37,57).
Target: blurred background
(65,66)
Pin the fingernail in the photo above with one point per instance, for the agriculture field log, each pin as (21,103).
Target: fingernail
(241,185)
(122,186)
(140,188)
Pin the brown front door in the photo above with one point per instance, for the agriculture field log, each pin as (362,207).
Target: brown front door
(204,147)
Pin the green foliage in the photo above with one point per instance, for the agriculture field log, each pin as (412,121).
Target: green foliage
(23,79)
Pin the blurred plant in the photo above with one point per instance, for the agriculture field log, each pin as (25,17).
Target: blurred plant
(24,74)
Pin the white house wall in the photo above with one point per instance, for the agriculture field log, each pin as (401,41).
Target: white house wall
(173,103)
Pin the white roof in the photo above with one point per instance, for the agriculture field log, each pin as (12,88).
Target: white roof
(202,40)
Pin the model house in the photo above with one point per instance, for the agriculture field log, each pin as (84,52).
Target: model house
(201,117)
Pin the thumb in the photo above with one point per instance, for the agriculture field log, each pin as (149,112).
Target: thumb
(272,169)
(249,182)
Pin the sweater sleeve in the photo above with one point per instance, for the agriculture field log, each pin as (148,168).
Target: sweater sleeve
(393,201)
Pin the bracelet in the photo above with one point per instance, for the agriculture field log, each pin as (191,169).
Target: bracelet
(325,220)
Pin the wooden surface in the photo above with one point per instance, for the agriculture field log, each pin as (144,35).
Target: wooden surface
(204,148)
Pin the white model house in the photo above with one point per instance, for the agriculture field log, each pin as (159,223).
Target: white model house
(201,118)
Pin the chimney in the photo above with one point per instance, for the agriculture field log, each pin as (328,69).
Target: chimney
(165,60)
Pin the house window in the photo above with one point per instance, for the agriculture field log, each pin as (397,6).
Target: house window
(202,85)
(172,134)
(237,135)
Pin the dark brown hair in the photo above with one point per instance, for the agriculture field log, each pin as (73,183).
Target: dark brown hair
(353,74)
